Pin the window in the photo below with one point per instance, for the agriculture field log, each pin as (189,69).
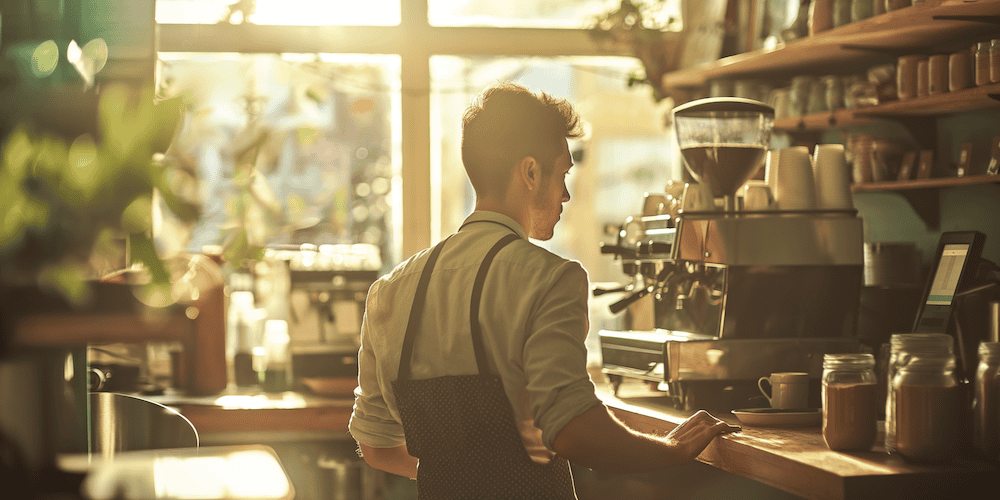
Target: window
(280,12)
(529,13)
(317,128)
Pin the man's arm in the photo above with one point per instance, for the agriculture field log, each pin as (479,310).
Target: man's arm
(396,460)
(597,440)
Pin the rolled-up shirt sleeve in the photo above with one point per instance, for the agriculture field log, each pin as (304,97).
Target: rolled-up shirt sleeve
(555,353)
(372,423)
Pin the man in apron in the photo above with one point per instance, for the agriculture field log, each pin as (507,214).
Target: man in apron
(472,368)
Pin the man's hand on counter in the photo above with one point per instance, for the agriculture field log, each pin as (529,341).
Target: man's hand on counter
(697,431)
(597,440)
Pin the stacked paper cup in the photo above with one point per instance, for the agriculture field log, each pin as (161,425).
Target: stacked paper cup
(771,168)
(833,185)
(794,188)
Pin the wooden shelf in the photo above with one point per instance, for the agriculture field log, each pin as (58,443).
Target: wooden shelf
(931,26)
(923,195)
(984,97)
(925,183)
(969,99)
(42,319)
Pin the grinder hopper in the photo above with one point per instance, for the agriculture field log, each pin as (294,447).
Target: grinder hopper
(723,141)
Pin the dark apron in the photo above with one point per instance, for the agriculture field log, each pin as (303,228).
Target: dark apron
(461,427)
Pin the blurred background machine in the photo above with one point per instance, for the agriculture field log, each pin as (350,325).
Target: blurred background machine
(326,290)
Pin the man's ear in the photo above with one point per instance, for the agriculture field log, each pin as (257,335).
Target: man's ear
(530,172)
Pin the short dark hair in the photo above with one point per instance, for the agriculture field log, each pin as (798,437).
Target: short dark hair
(507,122)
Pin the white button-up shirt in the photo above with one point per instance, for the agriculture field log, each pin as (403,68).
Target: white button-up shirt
(534,320)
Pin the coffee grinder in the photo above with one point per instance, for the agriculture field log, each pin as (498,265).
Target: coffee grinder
(737,294)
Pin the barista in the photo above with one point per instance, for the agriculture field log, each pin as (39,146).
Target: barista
(499,404)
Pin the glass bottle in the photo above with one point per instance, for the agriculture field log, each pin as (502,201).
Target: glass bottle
(850,401)
(902,346)
(986,406)
(240,338)
(927,414)
(277,357)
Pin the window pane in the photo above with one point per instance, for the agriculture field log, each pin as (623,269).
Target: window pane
(627,152)
(571,14)
(281,12)
(316,132)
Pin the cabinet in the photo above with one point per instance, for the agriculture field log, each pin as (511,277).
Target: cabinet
(932,26)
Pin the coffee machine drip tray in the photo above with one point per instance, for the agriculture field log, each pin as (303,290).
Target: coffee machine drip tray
(640,354)
(705,371)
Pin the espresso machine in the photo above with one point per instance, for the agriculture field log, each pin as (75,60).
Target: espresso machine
(736,295)
(322,296)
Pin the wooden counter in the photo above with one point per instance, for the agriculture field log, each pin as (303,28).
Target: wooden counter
(286,416)
(798,461)
(795,460)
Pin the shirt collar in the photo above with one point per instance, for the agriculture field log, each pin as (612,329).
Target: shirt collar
(484,215)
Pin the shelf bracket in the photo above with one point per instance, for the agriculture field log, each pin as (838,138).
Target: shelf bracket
(925,203)
(977,19)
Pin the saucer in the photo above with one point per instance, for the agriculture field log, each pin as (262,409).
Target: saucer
(774,417)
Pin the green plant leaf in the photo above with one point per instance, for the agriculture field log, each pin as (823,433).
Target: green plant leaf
(82,178)
(51,158)
(185,209)
(17,153)
(137,217)
(67,278)
(142,250)
(118,136)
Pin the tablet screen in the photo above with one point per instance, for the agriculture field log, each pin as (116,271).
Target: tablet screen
(955,260)
(949,270)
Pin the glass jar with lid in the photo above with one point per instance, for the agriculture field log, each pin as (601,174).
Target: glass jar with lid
(928,407)
(981,63)
(902,346)
(986,409)
(850,401)
(995,60)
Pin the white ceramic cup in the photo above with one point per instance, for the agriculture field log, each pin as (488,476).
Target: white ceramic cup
(832,179)
(757,196)
(789,390)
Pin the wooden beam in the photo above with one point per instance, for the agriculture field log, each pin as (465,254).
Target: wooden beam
(251,38)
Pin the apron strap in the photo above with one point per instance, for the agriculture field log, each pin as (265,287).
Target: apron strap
(477,292)
(416,311)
